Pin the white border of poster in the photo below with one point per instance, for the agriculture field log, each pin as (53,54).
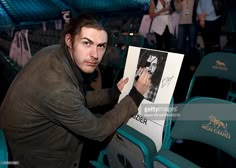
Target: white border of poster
(168,68)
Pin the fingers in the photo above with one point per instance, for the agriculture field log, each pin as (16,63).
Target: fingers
(145,75)
(202,23)
(122,83)
(125,80)
(139,72)
(143,82)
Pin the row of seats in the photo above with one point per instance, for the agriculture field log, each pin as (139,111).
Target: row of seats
(211,118)
(219,64)
(205,120)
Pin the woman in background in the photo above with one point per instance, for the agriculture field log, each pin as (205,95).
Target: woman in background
(159,11)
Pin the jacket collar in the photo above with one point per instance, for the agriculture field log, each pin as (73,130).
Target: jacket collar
(70,67)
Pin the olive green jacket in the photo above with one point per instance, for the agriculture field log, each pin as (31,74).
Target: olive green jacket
(45,115)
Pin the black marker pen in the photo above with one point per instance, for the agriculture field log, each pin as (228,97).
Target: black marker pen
(139,74)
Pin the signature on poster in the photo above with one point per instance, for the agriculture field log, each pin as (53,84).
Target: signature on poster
(166,81)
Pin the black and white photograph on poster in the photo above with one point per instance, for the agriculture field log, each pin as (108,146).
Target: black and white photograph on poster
(164,67)
(154,62)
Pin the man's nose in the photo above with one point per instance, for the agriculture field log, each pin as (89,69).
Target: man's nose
(94,52)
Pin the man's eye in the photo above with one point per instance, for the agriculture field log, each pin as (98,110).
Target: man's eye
(102,46)
(86,43)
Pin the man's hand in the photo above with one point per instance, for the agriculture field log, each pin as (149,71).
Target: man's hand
(202,23)
(143,83)
(122,83)
(201,18)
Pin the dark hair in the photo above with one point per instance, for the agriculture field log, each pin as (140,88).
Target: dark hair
(83,20)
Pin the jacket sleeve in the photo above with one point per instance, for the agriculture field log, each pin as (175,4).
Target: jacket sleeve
(102,97)
(67,109)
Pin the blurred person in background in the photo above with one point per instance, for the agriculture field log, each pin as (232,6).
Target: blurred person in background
(211,16)
(160,12)
(187,29)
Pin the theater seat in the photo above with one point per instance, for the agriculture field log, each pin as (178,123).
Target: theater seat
(3,151)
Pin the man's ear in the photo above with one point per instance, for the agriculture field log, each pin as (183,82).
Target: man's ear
(68,40)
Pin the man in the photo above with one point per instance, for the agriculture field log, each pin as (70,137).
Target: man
(45,115)
(211,18)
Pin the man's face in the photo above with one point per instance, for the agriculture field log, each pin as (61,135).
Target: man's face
(88,48)
(153,64)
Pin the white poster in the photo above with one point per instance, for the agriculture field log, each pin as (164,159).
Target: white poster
(164,67)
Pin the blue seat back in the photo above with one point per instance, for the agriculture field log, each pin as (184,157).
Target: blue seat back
(3,151)
(210,121)
(218,64)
